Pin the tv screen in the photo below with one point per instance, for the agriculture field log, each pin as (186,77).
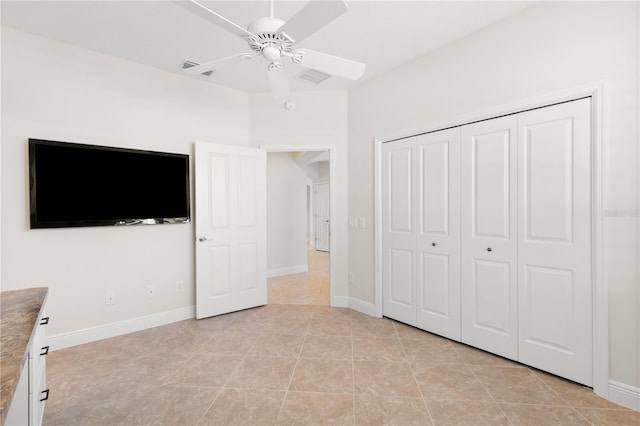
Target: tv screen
(86,185)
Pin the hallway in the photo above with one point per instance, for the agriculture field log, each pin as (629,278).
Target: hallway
(309,288)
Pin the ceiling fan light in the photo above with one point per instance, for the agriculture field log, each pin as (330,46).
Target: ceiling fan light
(271,53)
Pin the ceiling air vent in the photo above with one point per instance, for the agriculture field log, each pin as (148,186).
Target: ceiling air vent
(313,76)
(190,64)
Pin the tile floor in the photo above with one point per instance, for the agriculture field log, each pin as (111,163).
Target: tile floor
(310,288)
(297,364)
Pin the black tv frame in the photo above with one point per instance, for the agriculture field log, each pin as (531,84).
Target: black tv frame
(37,223)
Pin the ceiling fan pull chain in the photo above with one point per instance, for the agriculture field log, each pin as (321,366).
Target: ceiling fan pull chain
(271,8)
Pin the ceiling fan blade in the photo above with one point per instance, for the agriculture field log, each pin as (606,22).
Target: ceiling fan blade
(330,64)
(313,16)
(213,65)
(204,12)
(279,83)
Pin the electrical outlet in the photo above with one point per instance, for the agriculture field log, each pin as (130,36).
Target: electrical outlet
(361,222)
(179,286)
(110,298)
(151,291)
(352,277)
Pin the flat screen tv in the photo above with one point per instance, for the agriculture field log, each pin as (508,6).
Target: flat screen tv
(86,185)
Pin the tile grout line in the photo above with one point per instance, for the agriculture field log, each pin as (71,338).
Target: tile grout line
(413,374)
(497,404)
(293,372)
(575,409)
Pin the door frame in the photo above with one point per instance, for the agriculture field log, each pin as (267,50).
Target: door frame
(315,205)
(332,201)
(599,134)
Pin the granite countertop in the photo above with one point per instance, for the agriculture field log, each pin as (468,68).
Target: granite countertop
(19,310)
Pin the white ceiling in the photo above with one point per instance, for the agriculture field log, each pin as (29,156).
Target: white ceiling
(161,34)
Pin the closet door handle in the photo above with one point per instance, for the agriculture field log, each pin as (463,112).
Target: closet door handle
(434,244)
(488,248)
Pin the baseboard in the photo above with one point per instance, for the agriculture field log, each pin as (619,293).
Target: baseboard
(92,334)
(298,269)
(340,301)
(361,306)
(625,395)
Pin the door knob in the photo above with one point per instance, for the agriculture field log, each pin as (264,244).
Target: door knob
(488,248)
(434,244)
(203,239)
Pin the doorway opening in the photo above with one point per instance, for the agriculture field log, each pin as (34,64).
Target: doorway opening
(299,216)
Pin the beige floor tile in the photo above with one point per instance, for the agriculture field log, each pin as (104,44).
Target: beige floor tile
(574,394)
(606,417)
(337,347)
(323,375)
(474,356)
(409,332)
(205,370)
(330,326)
(244,407)
(305,408)
(377,349)
(285,345)
(271,373)
(450,382)
(424,353)
(101,403)
(472,413)
(515,385)
(146,377)
(237,344)
(376,410)
(171,405)
(384,379)
(536,415)
(364,325)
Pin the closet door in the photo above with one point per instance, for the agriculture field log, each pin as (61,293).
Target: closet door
(399,230)
(438,239)
(489,243)
(554,244)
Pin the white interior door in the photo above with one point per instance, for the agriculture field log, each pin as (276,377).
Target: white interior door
(489,241)
(554,244)
(230,226)
(398,231)
(438,238)
(322,216)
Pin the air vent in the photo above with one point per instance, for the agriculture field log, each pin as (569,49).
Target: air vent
(313,76)
(190,64)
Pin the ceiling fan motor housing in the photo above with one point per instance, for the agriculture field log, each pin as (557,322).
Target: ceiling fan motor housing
(266,30)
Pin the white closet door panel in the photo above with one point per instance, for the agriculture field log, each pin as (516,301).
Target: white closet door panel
(399,229)
(438,234)
(488,240)
(554,245)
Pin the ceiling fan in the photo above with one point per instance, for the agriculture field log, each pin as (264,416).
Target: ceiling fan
(273,39)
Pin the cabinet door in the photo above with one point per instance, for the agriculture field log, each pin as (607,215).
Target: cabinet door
(489,243)
(438,238)
(398,231)
(554,244)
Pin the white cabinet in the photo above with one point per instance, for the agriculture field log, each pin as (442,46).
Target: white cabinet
(486,236)
(27,405)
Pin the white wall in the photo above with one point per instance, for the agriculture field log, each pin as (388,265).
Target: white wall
(286,215)
(320,118)
(548,47)
(55,91)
